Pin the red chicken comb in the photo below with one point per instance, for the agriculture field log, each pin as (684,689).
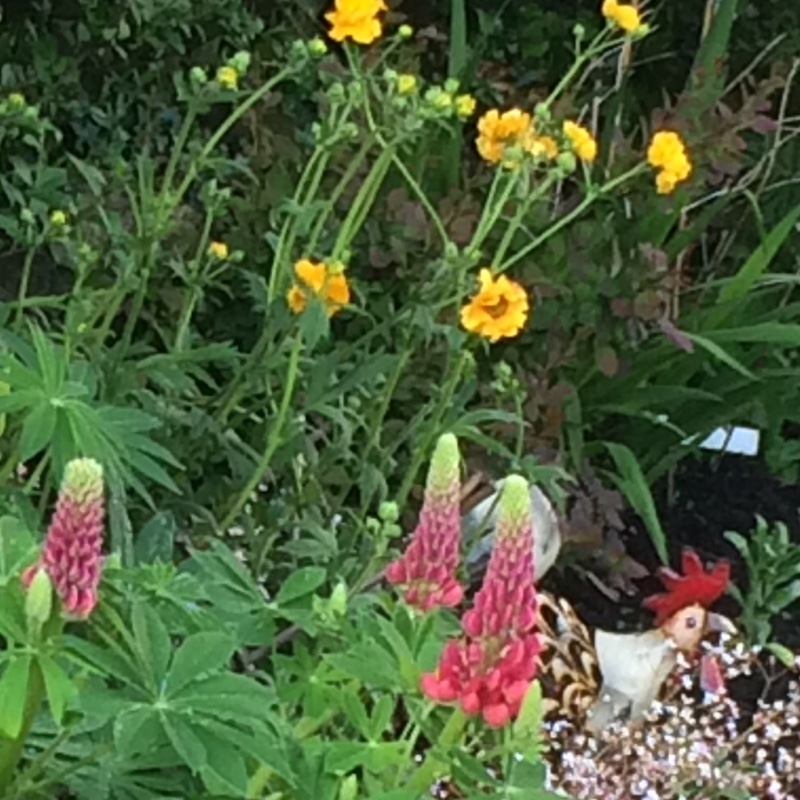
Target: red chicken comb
(695,586)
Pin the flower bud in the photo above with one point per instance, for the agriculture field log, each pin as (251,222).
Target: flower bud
(566,162)
(39,600)
(542,112)
(579,32)
(317,47)
(58,219)
(349,788)
(405,31)
(16,100)
(228,77)
(240,62)
(451,85)
(198,76)
(388,511)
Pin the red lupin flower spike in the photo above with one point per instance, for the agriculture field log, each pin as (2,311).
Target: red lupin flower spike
(695,586)
(489,669)
(71,555)
(427,570)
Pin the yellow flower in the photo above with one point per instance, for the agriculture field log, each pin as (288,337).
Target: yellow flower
(356,20)
(228,77)
(58,219)
(623,15)
(465,106)
(407,84)
(328,283)
(542,147)
(582,141)
(497,131)
(499,309)
(667,153)
(218,250)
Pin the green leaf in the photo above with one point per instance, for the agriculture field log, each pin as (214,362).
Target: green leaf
(152,642)
(300,583)
(156,539)
(37,431)
(17,548)
(225,774)
(58,686)
(722,355)
(186,742)
(528,725)
(13,694)
(783,654)
(633,484)
(355,711)
(227,696)
(752,269)
(200,654)
(137,730)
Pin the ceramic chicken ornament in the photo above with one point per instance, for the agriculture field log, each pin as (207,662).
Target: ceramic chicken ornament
(598,677)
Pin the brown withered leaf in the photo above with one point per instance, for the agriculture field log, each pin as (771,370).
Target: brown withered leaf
(677,337)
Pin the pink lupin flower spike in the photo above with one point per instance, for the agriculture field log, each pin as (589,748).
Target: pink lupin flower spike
(489,669)
(71,555)
(427,570)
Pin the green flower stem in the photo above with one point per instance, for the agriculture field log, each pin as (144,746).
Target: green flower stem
(307,187)
(493,212)
(484,226)
(25,279)
(596,46)
(363,202)
(432,768)
(338,191)
(422,452)
(192,292)
(522,211)
(576,212)
(423,198)
(223,129)
(11,749)
(273,437)
(177,151)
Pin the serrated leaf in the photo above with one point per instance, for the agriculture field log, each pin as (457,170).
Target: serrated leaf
(152,642)
(185,741)
(137,730)
(198,655)
(13,694)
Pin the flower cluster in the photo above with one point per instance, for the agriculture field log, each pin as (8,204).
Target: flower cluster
(499,309)
(427,570)
(623,15)
(489,669)
(72,550)
(667,153)
(505,137)
(325,281)
(581,141)
(357,20)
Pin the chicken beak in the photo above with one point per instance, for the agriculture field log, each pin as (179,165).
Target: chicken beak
(720,624)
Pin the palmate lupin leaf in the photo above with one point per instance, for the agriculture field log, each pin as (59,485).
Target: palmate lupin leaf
(54,402)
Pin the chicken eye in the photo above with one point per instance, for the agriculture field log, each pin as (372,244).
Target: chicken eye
(691,622)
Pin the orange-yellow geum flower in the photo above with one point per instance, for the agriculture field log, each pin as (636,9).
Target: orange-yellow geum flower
(328,283)
(497,131)
(356,20)
(667,154)
(582,141)
(623,15)
(498,311)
